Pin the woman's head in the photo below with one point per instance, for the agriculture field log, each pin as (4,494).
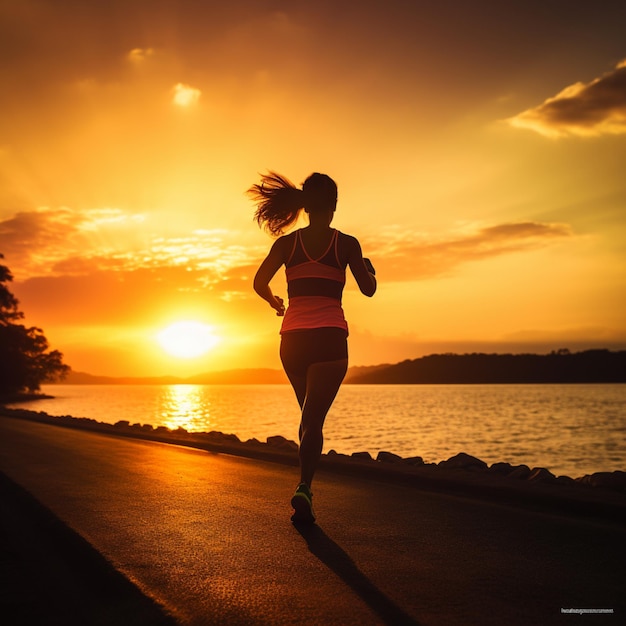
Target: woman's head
(279,201)
(320,193)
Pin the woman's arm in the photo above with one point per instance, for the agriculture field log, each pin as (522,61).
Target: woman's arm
(364,278)
(266,272)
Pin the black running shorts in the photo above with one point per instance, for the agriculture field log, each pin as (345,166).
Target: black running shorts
(301,348)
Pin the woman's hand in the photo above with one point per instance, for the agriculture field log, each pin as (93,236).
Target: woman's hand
(278,305)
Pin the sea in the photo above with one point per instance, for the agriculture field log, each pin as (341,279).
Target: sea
(570,429)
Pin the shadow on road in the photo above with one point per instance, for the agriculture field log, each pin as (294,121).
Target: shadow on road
(336,559)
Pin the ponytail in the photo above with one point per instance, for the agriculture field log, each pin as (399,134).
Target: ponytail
(278,203)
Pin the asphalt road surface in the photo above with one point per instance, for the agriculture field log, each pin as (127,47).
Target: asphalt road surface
(209,537)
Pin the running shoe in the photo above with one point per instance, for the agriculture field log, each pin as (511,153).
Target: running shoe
(302,502)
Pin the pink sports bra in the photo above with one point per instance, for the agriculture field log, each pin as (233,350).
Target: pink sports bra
(314,288)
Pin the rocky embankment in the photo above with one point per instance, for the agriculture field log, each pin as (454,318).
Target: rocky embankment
(600,493)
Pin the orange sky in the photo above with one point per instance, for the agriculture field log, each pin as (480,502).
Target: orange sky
(478,150)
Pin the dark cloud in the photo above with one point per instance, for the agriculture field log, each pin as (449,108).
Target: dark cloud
(409,257)
(594,108)
(42,240)
(46,227)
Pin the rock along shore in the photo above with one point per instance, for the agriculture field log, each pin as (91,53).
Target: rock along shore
(602,494)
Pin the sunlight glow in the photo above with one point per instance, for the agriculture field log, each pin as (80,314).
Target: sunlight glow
(187,339)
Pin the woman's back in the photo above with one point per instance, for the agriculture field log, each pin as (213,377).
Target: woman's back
(316,241)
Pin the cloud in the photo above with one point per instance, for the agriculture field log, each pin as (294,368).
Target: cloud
(583,109)
(105,266)
(139,55)
(65,243)
(185,95)
(29,234)
(108,242)
(410,256)
(34,242)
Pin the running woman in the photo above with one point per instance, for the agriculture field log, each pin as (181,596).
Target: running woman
(314,331)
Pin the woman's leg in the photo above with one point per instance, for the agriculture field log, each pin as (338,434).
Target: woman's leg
(299,386)
(322,384)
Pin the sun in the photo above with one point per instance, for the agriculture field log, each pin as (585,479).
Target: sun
(187,339)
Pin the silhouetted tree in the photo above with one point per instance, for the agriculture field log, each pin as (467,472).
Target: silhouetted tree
(25,361)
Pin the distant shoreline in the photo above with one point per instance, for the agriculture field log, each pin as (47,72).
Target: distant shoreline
(140,381)
(560,367)
(24,397)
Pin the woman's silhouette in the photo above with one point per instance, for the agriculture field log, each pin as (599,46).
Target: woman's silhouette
(314,331)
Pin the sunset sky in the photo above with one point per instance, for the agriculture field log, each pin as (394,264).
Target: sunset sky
(479,149)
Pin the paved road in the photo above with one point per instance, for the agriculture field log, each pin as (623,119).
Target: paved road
(209,537)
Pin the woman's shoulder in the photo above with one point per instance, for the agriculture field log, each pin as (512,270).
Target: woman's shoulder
(347,240)
(348,247)
(284,245)
(285,239)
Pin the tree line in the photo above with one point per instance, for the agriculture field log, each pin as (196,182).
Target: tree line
(561,366)
(25,359)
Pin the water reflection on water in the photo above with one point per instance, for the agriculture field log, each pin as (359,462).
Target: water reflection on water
(185,406)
